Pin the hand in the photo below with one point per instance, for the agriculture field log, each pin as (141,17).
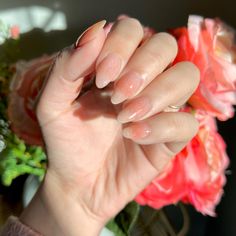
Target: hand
(106,144)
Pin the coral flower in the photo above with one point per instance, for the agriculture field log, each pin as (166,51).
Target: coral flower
(196,175)
(209,44)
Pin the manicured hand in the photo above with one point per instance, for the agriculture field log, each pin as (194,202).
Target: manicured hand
(106,144)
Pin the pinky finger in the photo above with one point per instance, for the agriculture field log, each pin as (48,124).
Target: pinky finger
(160,137)
(173,128)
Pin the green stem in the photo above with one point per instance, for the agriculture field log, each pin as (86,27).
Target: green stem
(167,223)
(186,221)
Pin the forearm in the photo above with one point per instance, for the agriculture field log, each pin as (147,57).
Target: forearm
(52,212)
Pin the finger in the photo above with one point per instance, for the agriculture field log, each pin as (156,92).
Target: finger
(148,61)
(67,74)
(172,87)
(161,138)
(120,44)
(164,127)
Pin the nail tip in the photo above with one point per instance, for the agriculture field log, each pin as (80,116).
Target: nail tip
(126,134)
(96,26)
(121,120)
(103,22)
(113,102)
(101,84)
(116,100)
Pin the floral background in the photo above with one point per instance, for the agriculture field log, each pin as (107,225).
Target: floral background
(160,15)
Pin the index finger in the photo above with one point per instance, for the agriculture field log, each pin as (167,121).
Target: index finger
(67,74)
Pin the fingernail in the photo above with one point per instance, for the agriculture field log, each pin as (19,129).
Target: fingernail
(127,87)
(137,131)
(89,34)
(108,69)
(135,110)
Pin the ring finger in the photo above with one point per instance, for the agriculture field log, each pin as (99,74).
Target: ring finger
(165,127)
(163,135)
(172,87)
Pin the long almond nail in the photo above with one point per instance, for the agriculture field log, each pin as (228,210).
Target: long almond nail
(90,33)
(108,69)
(137,131)
(127,86)
(135,110)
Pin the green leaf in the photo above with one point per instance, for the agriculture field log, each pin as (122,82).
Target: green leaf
(17,158)
(115,228)
(123,223)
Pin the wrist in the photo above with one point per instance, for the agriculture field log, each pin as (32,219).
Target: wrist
(53,212)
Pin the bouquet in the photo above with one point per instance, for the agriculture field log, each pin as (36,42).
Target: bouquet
(196,175)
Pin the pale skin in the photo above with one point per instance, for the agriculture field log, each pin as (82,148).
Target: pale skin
(107,144)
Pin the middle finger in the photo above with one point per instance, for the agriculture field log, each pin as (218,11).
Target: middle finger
(148,61)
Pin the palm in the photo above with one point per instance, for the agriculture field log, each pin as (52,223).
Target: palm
(90,138)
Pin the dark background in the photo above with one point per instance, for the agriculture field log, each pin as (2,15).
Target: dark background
(160,15)
(157,13)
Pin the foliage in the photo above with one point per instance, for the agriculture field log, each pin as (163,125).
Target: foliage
(123,223)
(16,158)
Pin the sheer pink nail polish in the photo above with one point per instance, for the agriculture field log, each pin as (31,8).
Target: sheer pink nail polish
(137,131)
(108,69)
(135,110)
(89,34)
(127,86)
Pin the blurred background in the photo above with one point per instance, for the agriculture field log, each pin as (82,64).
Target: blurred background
(64,21)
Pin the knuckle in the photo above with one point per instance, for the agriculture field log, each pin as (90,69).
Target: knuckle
(190,70)
(60,59)
(193,71)
(171,124)
(163,47)
(134,25)
(195,125)
(63,53)
(184,124)
(191,125)
(43,111)
(174,122)
(169,41)
(158,58)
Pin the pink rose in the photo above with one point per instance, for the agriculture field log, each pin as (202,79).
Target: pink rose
(24,88)
(196,174)
(209,44)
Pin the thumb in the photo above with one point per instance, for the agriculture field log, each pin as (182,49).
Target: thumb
(67,73)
